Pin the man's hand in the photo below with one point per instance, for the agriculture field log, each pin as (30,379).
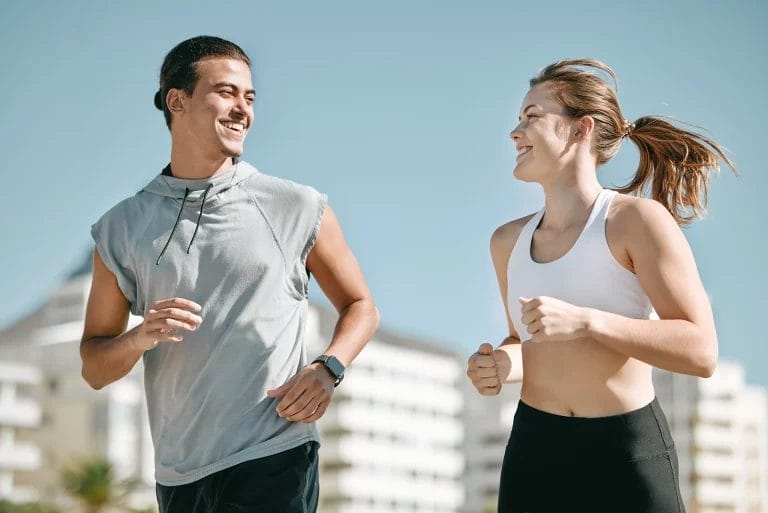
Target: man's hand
(160,323)
(306,395)
(483,370)
(550,320)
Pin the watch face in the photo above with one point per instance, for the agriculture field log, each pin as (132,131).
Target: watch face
(335,366)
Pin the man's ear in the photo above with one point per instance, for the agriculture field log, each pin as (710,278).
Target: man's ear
(585,126)
(175,100)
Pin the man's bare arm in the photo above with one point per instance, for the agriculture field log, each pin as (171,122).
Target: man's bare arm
(306,396)
(338,274)
(107,350)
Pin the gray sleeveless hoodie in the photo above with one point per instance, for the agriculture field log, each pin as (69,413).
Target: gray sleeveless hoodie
(236,244)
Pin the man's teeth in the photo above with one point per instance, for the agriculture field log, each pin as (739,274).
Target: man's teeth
(234,126)
(525,150)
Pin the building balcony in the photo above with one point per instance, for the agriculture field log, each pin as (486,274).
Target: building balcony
(714,465)
(375,486)
(722,412)
(485,478)
(486,453)
(410,363)
(20,413)
(21,494)
(19,457)
(20,373)
(443,398)
(380,507)
(397,458)
(714,493)
(417,427)
(713,437)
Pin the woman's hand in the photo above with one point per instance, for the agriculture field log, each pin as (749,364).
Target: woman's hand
(483,370)
(550,320)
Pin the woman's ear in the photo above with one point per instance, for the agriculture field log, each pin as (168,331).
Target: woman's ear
(585,127)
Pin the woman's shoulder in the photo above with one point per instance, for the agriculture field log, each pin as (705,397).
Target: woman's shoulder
(635,211)
(632,219)
(506,235)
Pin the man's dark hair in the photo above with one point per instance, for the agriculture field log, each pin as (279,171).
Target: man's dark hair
(179,70)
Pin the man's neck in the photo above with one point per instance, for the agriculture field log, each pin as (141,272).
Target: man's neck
(168,170)
(192,167)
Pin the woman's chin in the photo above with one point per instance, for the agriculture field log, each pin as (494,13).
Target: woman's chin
(523,174)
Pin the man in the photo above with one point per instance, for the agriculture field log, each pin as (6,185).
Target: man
(216,257)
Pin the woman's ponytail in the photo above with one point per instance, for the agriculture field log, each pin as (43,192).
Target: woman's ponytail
(675,166)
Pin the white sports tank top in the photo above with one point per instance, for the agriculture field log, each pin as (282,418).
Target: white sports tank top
(587,275)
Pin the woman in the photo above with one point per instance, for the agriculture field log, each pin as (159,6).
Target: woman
(599,287)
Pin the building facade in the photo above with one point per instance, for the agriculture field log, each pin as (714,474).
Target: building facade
(391,439)
(488,421)
(719,427)
(20,412)
(78,423)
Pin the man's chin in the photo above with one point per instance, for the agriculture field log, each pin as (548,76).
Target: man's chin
(232,152)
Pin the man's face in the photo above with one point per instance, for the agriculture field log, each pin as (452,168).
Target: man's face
(218,114)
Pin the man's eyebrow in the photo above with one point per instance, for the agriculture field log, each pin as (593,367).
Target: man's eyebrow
(233,86)
(526,109)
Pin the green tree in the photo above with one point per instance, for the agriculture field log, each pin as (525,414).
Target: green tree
(93,484)
(490,505)
(29,507)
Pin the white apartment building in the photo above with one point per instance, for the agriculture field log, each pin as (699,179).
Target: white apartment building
(19,412)
(719,426)
(391,439)
(78,422)
(488,421)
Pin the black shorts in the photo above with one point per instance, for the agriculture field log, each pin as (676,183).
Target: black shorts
(285,482)
(619,464)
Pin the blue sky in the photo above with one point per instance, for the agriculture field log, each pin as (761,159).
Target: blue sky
(399,111)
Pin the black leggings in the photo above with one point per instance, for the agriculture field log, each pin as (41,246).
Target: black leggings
(619,464)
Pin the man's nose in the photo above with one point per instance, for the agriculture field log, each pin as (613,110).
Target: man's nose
(241,106)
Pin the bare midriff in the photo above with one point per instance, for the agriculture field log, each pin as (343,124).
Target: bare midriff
(583,378)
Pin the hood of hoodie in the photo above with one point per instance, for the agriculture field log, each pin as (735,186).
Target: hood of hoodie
(178,188)
(192,192)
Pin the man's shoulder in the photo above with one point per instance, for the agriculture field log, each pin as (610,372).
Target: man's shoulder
(267,187)
(126,210)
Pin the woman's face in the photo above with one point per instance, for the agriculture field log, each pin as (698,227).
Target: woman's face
(542,137)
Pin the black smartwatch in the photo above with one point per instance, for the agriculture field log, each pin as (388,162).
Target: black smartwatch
(332,365)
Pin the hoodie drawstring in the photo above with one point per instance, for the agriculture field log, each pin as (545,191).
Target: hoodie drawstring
(178,218)
(197,225)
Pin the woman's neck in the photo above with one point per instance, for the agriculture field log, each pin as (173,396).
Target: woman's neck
(568,201)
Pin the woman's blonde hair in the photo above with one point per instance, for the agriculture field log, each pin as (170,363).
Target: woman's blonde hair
(675,163)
